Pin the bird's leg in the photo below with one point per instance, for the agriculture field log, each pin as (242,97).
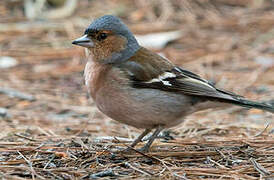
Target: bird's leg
(140,137)
(151,139)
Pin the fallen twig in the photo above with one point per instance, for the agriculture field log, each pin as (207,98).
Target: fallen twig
(16,94)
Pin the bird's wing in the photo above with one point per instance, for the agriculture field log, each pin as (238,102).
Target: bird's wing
(149,70)
(184,82)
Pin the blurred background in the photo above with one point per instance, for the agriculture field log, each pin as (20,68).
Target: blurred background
(229,42)
(47,120)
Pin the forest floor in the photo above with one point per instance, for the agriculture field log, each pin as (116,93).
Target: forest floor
(49,128)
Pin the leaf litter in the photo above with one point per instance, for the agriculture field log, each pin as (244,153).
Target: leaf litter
(50,128)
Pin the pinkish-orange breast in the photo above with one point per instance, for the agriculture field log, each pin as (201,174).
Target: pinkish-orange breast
(95,76)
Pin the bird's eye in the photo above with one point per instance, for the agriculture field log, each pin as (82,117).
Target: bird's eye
(102,36)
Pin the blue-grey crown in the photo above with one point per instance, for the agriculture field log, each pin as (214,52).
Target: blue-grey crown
(114,24)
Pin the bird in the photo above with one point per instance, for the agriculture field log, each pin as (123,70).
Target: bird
(138,87)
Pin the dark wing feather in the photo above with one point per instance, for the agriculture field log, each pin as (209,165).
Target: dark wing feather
(185,84)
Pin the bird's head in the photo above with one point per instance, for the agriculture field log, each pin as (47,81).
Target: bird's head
(109,40)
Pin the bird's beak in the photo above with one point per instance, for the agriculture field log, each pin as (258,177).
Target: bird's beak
(84,41)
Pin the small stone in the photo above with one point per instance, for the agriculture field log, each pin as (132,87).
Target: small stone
(265,61)
(158,40)
(7,62)
(3,112)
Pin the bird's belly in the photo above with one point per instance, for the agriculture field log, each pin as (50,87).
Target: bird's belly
(143,108)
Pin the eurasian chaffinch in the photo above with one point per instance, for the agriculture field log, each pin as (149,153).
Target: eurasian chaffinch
(135,86)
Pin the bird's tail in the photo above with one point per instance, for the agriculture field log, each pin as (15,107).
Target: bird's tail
(253,104)
(228,97)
